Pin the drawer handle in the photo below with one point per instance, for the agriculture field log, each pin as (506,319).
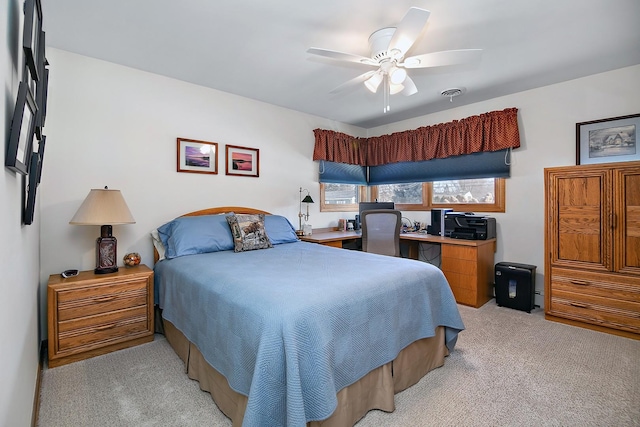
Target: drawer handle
(104,327)
(580,305)
(580,282)
(104,299)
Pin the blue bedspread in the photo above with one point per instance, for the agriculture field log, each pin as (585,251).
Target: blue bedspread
(292,325)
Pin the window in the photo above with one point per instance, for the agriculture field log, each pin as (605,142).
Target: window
(482,195)
(401,194)
(341,197)
(468,195)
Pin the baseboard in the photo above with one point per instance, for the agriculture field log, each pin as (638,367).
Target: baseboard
(36,398)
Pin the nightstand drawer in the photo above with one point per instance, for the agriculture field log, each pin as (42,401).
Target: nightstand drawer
(74,334)
(101,299)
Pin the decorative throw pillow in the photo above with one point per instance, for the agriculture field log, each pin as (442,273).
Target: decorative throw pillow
(248,232)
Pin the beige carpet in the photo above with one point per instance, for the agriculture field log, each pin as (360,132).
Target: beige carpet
(510,368)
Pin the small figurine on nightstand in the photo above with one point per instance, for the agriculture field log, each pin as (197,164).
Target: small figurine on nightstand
(132,259)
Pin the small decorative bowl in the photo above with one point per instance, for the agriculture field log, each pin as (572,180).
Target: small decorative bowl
(132,259)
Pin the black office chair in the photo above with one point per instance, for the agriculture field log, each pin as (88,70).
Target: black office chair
(381,231)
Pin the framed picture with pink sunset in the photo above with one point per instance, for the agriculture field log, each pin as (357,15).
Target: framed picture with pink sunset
(196,156)
(242,161)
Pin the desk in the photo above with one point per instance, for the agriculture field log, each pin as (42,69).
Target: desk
(467,264)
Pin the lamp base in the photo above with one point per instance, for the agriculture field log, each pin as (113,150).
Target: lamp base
(106,252)
(101,270)
(299,233)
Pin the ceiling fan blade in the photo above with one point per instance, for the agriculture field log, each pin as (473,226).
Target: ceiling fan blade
(409,87)
(342,56)
(361,78)
(408,30)
(440,59)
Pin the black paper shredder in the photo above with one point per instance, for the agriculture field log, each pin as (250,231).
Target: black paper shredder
(515,285)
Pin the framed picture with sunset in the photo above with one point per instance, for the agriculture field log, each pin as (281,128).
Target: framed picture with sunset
(196,156)
(242,161)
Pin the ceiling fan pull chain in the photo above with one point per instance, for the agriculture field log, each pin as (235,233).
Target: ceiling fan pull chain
(386,94)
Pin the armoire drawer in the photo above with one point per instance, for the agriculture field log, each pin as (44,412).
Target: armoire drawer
(592,284)
(597,314)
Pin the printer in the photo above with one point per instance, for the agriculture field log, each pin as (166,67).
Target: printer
(467,225)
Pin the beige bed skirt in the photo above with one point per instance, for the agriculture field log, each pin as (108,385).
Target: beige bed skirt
(374,391)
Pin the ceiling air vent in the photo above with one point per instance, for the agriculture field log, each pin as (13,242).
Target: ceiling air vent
(451,93)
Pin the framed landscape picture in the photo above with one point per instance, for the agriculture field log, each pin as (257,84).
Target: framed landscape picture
(242,161)
(608,140)
(196,156)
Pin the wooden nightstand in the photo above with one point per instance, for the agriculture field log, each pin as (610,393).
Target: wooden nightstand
(93,314)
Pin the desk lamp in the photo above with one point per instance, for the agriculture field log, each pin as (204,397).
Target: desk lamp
(104,206)
(307,199)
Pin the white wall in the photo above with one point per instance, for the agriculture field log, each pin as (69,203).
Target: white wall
(547,119)
(19,251)
(116,126)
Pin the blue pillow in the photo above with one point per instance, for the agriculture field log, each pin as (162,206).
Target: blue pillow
(190,235)
(279,229)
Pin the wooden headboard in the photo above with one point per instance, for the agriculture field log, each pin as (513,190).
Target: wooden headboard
(215,211)
(226,209)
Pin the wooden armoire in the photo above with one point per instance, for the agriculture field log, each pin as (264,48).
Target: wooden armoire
(592,246)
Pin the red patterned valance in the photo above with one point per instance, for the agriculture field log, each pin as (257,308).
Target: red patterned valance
(491,131)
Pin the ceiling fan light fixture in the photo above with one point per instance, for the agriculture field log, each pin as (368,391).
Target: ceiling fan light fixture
(397,75)
(374,82)
(395,88)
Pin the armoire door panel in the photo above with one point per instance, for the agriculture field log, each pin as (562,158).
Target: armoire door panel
(628,224)
(580,247)
(582,228)
(580,191)
(632,242)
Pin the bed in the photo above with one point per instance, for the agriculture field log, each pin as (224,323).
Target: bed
(282,332)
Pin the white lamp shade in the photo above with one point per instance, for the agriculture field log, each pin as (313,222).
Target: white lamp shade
(393,89)
(373,83)
(398,75)
(102,207)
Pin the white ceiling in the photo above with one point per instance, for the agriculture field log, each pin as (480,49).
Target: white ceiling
(257,49)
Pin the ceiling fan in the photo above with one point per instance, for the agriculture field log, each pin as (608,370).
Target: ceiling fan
(388,47)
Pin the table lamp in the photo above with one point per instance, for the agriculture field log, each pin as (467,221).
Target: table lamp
(307,199)
(104,207)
